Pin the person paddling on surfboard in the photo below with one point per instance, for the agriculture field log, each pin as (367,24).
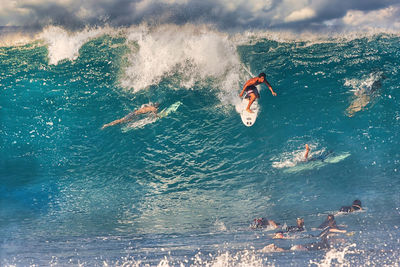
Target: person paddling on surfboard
(146,108)
(306,153)
(251,89)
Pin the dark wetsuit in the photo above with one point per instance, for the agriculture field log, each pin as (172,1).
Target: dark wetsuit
(328,223)
(321,157)
(323,244)
(350,208)
(291,229)
(260,223)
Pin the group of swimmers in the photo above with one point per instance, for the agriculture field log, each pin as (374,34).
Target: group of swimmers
(328,227)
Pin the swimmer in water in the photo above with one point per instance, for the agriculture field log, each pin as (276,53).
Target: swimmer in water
(263,223)
(354,207)
(299,226)
(279,235)
(322,244)
(329,222)
(364,95)
(146,108)
(306,153)
(330,226)
(290,229)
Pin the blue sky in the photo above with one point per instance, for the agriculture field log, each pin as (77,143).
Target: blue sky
(297,15)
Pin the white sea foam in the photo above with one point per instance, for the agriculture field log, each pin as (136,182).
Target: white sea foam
(219,226)
(193,53)
(188,55)
(335,257)
(63,44)
(365,84)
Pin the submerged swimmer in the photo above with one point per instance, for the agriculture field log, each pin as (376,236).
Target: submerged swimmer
(354,207)
(146,108)
(329,226)
(263,223)
(329,222)
(330,229)
(299,226)
(322,244)
(364,95)
(291,229)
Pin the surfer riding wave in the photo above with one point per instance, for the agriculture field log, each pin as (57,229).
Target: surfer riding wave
(251,90)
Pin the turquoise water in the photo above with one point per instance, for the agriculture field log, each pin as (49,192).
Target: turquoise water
(184,189)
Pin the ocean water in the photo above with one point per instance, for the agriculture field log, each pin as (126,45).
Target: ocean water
(183,190)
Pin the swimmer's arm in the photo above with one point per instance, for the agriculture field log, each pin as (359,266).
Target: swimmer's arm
(274,224)
(307,150)
(270,87)
(333,230)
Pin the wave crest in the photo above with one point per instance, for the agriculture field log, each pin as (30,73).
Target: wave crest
(195,53)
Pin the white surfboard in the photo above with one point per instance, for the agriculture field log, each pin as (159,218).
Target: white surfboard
(316,164)
(248,118)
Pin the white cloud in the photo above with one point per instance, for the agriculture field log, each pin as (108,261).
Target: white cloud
(382,16)
(302,14)
(222,13)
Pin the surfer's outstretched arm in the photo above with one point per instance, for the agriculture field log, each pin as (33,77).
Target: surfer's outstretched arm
(270,87)
(333,230)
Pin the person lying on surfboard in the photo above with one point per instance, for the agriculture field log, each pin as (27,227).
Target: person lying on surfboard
(251,89)
(320,157)
(306,153)
(146,108)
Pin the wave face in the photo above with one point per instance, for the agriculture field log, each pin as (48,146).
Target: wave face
(183,189)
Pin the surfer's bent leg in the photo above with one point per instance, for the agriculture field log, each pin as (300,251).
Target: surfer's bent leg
(252,98)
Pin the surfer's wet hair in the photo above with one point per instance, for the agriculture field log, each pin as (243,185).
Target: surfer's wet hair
(356,205)
(262,74)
